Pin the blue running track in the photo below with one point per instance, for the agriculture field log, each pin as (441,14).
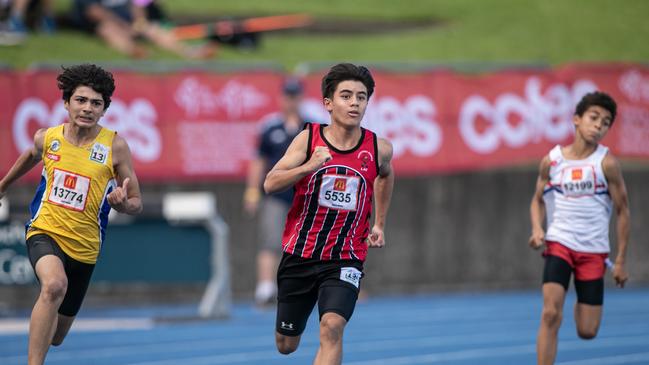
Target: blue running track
(459,329)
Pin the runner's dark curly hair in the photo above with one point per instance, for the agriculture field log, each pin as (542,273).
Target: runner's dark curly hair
(88,75)
(597,98)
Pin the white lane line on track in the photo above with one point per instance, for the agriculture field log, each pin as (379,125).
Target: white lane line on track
(407,343)
(496,352)
(16,326)
(309,351)
(637,358)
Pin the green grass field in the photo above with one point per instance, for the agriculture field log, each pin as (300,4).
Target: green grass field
(528,31)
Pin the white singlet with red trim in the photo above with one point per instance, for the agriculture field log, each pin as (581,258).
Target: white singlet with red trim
(578,203)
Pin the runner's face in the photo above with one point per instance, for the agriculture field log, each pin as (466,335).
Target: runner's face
(348,104)
(593,124)
(85,108)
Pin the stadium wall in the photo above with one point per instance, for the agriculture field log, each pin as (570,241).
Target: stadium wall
(447,232)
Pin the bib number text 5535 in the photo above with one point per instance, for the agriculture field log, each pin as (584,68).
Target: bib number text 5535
(339,192)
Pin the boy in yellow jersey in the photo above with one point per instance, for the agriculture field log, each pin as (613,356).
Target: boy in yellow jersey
(87,170)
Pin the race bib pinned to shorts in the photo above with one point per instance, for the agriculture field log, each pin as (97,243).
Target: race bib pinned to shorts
(69,190)
(351,275)
(339,192)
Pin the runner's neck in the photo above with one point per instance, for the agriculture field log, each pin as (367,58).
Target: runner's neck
(80,136)
(341,138)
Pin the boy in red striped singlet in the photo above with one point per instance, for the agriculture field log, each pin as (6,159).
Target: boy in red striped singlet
(338,171)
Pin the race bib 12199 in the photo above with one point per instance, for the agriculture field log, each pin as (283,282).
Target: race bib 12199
(578,181)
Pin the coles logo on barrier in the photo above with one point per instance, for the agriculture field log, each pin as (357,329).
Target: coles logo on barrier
(538,115)
(511,121)
(189,126)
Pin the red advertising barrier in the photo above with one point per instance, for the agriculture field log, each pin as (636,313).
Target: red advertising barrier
(180,126)
(190,126)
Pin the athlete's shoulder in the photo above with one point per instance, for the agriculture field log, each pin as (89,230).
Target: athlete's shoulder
(54,131)
(384,147)
(555,153)
(119,144)
(39,138)
(545,165)
(610,163)
(314,125)
(303,136)
(41,133)
(56,128)
(107,131)
(602,151)
(546,160)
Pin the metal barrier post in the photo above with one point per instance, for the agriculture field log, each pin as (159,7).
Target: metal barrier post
(200,207)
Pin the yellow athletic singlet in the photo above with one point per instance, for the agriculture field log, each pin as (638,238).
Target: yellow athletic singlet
(70,204)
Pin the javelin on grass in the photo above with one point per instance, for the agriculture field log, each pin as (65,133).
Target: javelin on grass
(225,28)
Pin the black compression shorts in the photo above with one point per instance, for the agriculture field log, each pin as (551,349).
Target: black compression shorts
(303,282)
(558,270)
(78,273)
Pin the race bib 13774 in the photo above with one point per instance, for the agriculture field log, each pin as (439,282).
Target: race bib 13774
(69,190)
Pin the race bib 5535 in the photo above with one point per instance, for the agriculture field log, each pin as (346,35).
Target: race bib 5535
(339,192)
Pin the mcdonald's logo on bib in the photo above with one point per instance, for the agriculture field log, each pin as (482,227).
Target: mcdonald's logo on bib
(577,174)
(70,182)
(340,185)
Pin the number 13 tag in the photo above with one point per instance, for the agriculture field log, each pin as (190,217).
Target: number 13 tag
(339,192)
(99,153)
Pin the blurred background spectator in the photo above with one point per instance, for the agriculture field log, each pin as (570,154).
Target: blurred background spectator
(276,135)
(21,15)
(121,23)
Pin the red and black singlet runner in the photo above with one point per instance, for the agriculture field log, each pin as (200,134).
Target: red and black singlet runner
(330,215)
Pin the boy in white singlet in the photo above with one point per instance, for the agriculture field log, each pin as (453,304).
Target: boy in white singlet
(578,187)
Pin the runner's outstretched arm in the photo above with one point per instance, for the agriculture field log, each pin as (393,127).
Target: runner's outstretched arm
(617,189)
(25,162)
(537,206)
(383,186)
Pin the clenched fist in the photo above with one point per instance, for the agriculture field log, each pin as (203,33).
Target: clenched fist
(537,239)
(319,157)
(376,238)
(620,274)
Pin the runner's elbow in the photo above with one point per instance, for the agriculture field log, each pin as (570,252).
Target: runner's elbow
(269,186)
(137,208)
(132,207)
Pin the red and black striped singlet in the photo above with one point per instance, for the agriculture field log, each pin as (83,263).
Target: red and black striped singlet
(330,215)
